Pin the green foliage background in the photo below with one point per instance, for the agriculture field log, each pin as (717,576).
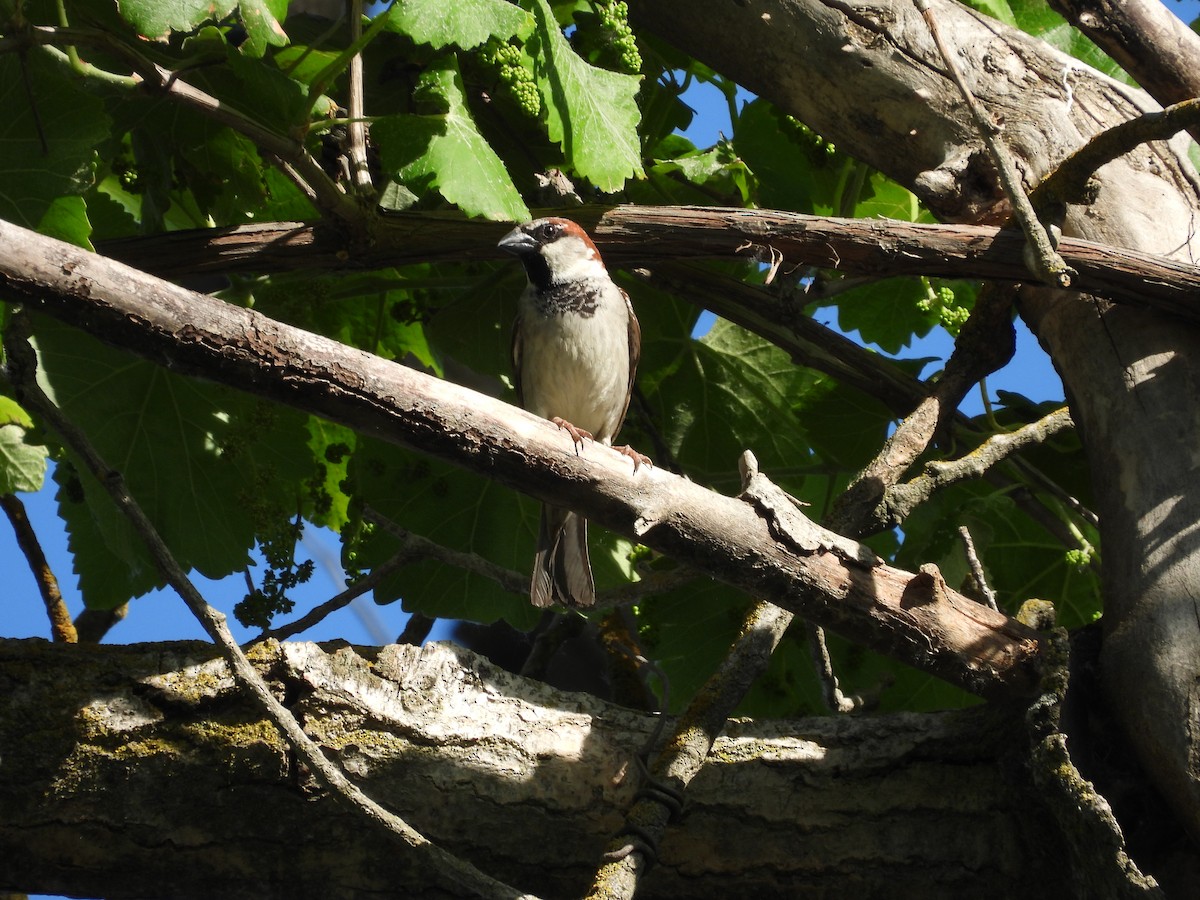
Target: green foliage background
(468,101)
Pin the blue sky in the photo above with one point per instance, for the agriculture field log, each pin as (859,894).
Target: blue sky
(161,616)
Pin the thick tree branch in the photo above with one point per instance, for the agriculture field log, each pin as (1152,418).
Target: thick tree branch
(158,770)
(1146,39)
(636,235)
(985,344)
(1046,261)
(847,590)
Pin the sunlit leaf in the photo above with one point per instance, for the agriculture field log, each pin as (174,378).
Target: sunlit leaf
(446,151)
(466,24)
(591,112)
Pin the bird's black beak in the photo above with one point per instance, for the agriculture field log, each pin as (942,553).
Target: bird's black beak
(517,242)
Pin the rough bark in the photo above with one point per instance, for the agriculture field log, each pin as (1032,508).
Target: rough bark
(141,772)
(640,235)
(773,554)
(866,75)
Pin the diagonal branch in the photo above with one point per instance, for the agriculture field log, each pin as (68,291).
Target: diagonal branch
(297,162)
(832,583)
(60,618)
(985,344)
(902,499)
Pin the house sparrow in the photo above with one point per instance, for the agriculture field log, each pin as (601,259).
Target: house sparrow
(575,349)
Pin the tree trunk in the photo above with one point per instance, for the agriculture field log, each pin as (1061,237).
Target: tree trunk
(141,771)
(867,76)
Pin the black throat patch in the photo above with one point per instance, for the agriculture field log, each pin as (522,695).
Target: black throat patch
(578,297)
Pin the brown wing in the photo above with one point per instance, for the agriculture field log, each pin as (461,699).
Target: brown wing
(635,354)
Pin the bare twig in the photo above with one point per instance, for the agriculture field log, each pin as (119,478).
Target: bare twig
(1048,265)
(61,626)
(977,573)
(23,368)
(1068,182)
(686,750)
(902,499)
(416,629)
(343,599)
(985,343)
(823,663)
(415,546)
(360,174)
(93,624)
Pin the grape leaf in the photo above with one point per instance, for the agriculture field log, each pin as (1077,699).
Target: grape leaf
(49,137)
(447,151)
(22,463)
(155,18)
(466,23)
(591,112)
(208,465)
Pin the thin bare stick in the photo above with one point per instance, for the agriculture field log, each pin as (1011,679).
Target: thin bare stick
(1045,261)
(823,663)
(22,370)
(355,105)
(686,750)
(61,626)
(976,567)
(415,546)
(343,599)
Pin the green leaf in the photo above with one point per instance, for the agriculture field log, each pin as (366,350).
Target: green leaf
(717,396)
(790,174)
(591,112)
(22,463)
(67,220)
(49,135)
(155,18)
(372,311)
(447,151)
(1036,18)
(457,510)
(209,466)
(464,23)
(887,312)
(261,20)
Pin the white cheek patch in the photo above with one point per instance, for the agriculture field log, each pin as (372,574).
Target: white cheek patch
(570,259)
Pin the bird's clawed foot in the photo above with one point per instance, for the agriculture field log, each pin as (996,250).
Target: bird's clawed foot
(577,434)
(639,459)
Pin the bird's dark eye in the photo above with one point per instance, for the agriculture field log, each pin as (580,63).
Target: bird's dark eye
(549,231)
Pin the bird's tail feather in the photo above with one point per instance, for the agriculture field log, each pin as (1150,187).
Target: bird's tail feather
(562,570)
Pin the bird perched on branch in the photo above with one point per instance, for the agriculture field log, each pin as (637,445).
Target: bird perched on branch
(575,350)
